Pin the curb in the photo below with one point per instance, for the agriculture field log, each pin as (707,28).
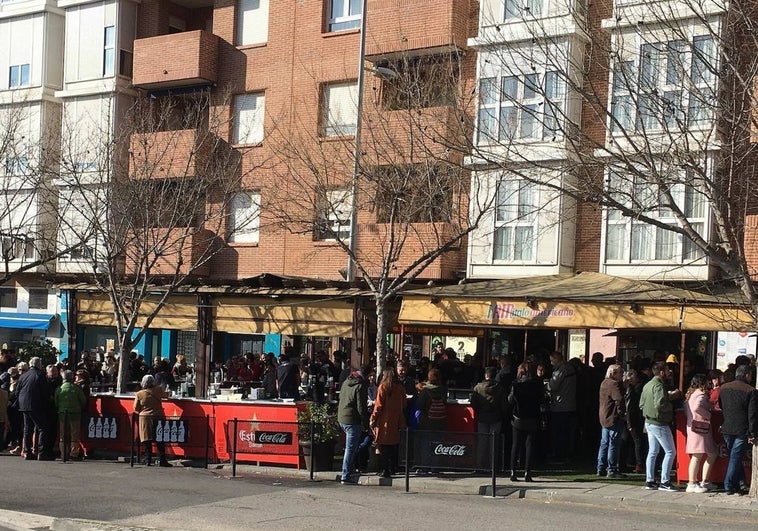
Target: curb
(73,524)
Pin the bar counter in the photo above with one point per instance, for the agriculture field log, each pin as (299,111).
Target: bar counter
(200,427)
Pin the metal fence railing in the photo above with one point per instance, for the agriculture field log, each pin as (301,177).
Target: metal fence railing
(183,431)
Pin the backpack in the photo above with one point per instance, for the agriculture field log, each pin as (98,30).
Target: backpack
(437,409)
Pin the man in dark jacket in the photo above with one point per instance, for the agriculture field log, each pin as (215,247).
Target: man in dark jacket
(33,399)
(352,414)
(611,415)
(739,403)
(490,403)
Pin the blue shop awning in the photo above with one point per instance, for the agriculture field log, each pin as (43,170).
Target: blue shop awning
(36,321)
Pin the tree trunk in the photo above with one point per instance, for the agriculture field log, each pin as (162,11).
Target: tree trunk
(381,336)
(125,346)
(754,474)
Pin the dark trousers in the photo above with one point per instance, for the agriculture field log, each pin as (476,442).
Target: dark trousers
(562,433)
(389,458)
(38,420)
(522,441)
(632,443)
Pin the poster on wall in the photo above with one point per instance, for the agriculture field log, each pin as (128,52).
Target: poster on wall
(577,344)
(729,345)
(463,346)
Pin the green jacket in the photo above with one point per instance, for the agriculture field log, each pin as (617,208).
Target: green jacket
(69,398)
(655,404)
(353,405)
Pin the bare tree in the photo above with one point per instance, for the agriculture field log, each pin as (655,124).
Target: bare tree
(151,199)
(379,187)
(644,110)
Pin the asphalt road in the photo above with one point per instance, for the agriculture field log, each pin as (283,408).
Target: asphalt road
(198,499)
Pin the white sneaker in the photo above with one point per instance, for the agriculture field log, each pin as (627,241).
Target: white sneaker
(707,485)
(694,487)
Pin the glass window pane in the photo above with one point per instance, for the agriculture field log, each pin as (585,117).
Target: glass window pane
(510,88)
(522,245)
(529,121)
(487,126)
(642,242)
(502,248)
(487,91)
(530,86)
(508,122)
(675,58)
(690,251)
(665,244)
(703,60)
(615,240)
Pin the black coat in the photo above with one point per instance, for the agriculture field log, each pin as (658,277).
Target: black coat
(33,391)
(739,403)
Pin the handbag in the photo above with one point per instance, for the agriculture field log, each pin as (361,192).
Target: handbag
(701,426)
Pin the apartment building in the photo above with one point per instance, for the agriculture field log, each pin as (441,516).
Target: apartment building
(615,139)
(275,76)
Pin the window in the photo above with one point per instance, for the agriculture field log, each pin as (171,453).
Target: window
(674,87)
(16,166)
(125,63)
(252,22)
(19,76)
(523,8)
(344,14)
(244,217)
(109,51)
(630,240)
(515,221)
(527,107)
(79,212)
(415,193)
(340,108)
(420,82)
(8,297)
(334,218)
(248,118)
(37,299)
(18,221)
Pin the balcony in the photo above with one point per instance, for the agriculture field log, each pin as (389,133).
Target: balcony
(169,154)
(181,250)
(177,60)
(417,27)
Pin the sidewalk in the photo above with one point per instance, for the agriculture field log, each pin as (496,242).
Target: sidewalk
(597,493)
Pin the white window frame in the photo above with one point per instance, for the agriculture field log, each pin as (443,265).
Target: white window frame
(16,165)
(668,80)
(516,211)
(339,108)
(628,241)
(19,221)
(21,73)
(344,14)
(520,9)
(244,217)
(252,22)
(521,107)
(247,122)
(335,220)
(109,51)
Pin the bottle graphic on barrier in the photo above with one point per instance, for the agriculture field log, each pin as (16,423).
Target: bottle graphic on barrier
(159,432)
(106,429)
(91,428)
(173,431)
(114,429)
(99,428)
(180,432)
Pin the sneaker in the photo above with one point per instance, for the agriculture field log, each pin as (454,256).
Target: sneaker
(696,488)
(616,475)
(668,487)
(601,473)
(651,485)
(708,486)
(349,481)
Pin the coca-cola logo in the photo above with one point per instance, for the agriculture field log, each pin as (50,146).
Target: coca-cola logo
(453,450)
(272,437)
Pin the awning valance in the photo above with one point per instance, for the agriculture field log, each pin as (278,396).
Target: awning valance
(34,321)
(583,300)
(179,313)
(260,315)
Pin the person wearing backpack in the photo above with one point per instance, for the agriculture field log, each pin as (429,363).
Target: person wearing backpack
(431,403)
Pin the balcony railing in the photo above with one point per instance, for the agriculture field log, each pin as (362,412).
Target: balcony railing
(169,154)
(182,250)
(177,60)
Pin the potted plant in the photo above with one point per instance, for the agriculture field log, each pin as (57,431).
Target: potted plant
(326,430)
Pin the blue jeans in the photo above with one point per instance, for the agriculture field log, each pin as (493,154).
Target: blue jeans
(353,434)
(659,437)
(735,472)
(610,441)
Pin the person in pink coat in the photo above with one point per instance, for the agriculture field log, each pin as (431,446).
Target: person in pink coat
(700,446)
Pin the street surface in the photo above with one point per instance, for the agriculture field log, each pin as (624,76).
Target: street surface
(199,499)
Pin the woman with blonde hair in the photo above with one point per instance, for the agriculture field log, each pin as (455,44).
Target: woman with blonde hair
(700,444)
(388,418)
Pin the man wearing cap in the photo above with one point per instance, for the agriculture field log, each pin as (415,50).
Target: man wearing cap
(739,403)
(33,398)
